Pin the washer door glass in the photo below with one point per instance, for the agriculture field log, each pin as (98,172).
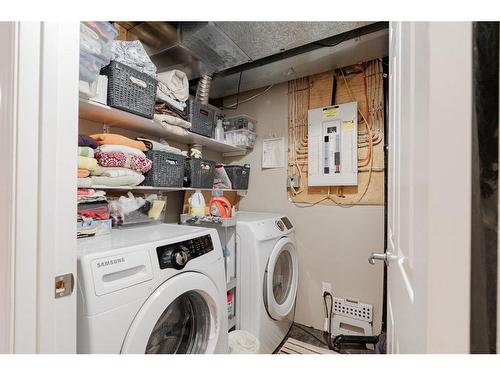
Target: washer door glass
(183,328)
(282,277)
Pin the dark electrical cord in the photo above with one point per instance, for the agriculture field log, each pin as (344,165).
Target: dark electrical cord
(329,313)
(346,36)
(235,106)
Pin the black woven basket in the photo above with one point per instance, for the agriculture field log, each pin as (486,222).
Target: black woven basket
(199,173)
(201,117)
(167,169)
(130,90)
(239,176)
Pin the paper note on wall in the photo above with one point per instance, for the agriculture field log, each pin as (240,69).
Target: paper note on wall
(273,153)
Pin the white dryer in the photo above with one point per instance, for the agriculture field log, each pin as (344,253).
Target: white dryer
(269,276)
(158,289)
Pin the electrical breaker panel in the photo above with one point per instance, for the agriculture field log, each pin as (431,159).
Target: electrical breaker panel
(333,145)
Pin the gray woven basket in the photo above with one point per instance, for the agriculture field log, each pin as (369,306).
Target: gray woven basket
(199,173)
(239,176)
(130,90)
(167,169)
(201,117)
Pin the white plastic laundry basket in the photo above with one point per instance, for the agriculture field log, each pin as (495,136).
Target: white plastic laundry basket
(243,342)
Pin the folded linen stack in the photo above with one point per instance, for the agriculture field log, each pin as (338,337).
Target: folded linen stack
(86,160)
(171,96)
(120,161)
(161,146)
(93,217)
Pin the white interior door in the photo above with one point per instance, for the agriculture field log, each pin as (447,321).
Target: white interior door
(428,254)
(43,128)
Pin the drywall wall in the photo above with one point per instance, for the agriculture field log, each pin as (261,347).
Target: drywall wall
(333,242)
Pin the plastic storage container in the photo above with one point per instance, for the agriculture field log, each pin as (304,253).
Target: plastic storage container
(201,117)
(167,169)
(230,305)
(130,90)
(240,122)
(124,214)
(240,138)
(96,38)
(95,53)
(239,176)
(91,228)
(199,173)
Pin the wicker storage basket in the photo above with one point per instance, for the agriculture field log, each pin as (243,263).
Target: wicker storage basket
(167,169)
(239,176)
(201,117)
(130,90)
(199,173)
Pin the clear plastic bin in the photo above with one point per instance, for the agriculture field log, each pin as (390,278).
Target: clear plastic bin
(124,214)
(95,53)
(96,38)
(239,122)
(240,138)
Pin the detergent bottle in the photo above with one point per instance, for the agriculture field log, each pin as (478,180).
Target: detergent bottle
(197,204)
(219,205)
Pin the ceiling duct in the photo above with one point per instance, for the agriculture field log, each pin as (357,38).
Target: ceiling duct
(197,48)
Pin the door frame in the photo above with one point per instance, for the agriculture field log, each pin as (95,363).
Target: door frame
(43,114)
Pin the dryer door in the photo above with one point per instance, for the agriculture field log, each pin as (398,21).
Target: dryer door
(182,316)
(281,279)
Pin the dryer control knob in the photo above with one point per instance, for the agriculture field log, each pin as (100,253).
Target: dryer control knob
(179,258)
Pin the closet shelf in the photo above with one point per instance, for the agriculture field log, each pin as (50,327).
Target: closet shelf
(97,112)
(103,187)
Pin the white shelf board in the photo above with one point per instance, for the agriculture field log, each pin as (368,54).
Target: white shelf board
(103,187)
(97,112)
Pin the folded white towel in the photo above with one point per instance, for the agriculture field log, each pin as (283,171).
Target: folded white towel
(172,120)
(113,172)
(120,148)
(172,129)
(167,99)
(174,83)
(157,146)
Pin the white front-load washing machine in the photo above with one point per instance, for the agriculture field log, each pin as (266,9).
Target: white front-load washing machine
(157,289)
(269,276)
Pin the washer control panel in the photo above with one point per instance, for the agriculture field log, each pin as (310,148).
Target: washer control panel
(287,222)
(177,255)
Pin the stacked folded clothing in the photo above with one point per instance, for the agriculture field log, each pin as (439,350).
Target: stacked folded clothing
(86,161)
(120,161)
(93,217)
(171,108)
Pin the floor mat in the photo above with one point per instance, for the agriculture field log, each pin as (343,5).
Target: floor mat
(293,346)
